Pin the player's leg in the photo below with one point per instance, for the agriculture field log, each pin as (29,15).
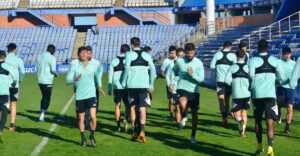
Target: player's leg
(132,100)
(80,110)
(281,96)
(117,100)
(290,100)
(93,118)
(97,99)
(183,100)
(258,115)
(245,120)
(271,115)
(13,107)
(43,101)
(127,109)
(221,99)
(193,102)
(227,103)
(144,102)
(171,104)
(3,114)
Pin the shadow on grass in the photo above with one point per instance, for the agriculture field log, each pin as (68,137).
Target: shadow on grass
(44,133)
(178,142)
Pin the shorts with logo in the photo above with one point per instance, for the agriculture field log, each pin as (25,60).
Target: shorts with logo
(239,104)
(193,98)
(267,106)
(4,103)
(83,105)
(139,97)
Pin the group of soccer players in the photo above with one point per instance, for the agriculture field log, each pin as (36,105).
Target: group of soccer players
(262,79)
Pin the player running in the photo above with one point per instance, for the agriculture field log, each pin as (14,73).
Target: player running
(286,96)
(263,71)
(191,73)
(8,78)
(18,65)
(138,82)
(180,120)
(45,68)
(164,68)
(116,73)
(238,78)
(83,74)
(221,62)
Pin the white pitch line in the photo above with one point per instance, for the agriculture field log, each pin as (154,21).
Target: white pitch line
(45,139)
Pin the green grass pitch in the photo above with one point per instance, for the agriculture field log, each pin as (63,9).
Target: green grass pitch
(163,137)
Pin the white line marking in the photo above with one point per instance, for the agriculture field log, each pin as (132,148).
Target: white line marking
(45,139)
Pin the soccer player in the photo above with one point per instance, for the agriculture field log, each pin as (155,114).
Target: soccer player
(221,62)
(238,78)
(8,78)
(116,73)
(138,82)
(18,65)
(180,120)
(264,70)
(45,68)
(164,68)
(243,47)
(285,94)
(83,74)
(191,73)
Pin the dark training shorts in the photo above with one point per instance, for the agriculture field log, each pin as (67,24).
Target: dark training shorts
(239,104)
(13,94)
(83,105)
(267,106)
(193,98)
(223,89)
(139,97)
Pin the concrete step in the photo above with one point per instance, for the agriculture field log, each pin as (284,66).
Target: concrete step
(80,40)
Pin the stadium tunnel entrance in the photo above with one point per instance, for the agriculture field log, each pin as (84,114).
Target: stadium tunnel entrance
(83,22)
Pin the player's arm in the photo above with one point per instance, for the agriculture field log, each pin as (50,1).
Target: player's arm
(71,75)
(22,70)
(295,75)
(98,77)
(53,66)
(152,73)
(213,62)
(228,77)
(174,72)
(162,69)
(280,72)
(127,68)
(169,76)
(13,75)
(198,74)
(110,77)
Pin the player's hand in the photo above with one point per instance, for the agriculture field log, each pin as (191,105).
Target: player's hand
(171,87)
(190,70)
(100,89)
(78,77)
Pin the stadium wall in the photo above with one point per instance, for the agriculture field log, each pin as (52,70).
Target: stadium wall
(20,21)
(261,19)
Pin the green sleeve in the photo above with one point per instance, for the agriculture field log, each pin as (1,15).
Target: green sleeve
(295,75)
(111,72)
(163,65)
(22,70)
(213,62)
(152,73)
(175,71)
(169,75)
(280,71)
(252,69)
(127,68)
(98,74)
(228,78)
(53,66)
(71,75)
(198,75)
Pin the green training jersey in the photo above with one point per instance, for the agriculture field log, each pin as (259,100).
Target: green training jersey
(188,82)
(18,65)
(45,68)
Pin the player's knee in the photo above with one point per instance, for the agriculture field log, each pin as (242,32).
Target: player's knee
(221,97)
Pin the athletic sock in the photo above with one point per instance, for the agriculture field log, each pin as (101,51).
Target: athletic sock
(82,136)
(224,115)
(119,123)
(244,128)
(171,114)
(12,125)
(92,133)
(270,142)
(193,133)
(142,127)
(238,119)
(287,126)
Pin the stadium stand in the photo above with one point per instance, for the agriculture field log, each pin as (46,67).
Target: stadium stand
(148,3)
(193,3)
(38,4)
(107,41)
(33,41)
(9,4)
(206,50)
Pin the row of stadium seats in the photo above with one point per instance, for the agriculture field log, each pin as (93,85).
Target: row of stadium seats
(71,3)
(193,3)
(33,41)
(140,3)
(108,40)
(9,4)
(206,50)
